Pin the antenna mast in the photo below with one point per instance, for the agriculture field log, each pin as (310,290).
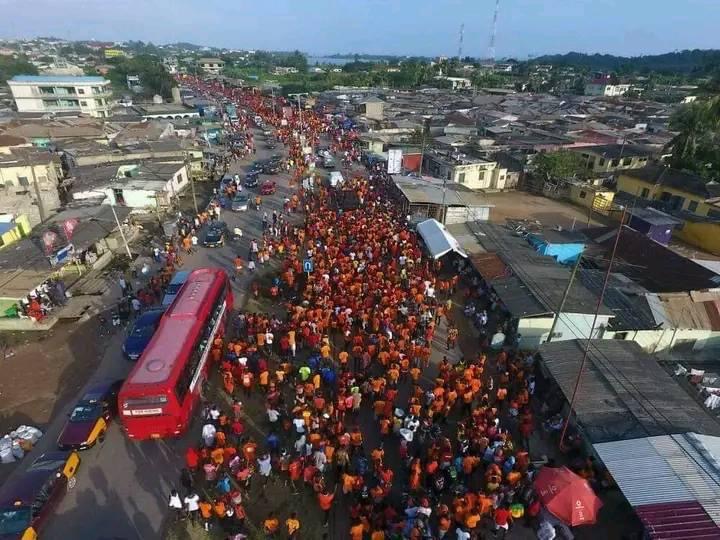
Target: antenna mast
(460,42)
(494,31)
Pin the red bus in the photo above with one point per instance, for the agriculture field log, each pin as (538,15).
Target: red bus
(158,397)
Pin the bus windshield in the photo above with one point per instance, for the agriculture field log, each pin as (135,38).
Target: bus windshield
(14,520)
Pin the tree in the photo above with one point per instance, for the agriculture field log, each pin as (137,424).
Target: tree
(697,145)
(154,78)
(559,165)
(10,66)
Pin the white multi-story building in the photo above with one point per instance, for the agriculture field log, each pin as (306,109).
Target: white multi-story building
(607,90)
(61,94)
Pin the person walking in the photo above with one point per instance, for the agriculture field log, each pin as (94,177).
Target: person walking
(175,504)
(192,506)
(292,524)
(325,500)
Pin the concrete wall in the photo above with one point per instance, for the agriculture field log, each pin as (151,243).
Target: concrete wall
(535,330)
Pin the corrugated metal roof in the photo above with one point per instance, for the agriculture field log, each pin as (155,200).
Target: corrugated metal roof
(624,394)
(438,240)
(677,521)
(691,310)
(655,473)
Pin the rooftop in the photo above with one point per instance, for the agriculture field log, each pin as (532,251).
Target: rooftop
(67,79)
(624,393)
(534,284)
(430,191)
(616,151)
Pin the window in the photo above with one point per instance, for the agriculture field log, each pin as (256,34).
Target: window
(626,161)
(23,181)
(42,179)
(83,103)
(80,91)
(99,102)
(645,193)
(615,163)
(601,162)
(583,194)
(461,177)
(713,213)
(692,206)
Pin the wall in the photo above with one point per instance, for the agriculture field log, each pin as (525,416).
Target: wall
(705,236)
(635,187)
(535,330)
(600,164)
(665,339)
(22,228)
(411,162)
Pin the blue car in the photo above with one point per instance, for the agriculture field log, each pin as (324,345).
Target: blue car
(176,283)
(141,333)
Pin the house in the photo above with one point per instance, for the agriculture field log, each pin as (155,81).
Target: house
(8,142)
(456,83)
(605,85)
(29,183)
(371,107)
(423,198)
(530,288)
(148,186)
(281,70)
(683,195)
(473,173)
(655,224)
(211,66)
(61,94)
(13,228)
(605,158)
(170,111)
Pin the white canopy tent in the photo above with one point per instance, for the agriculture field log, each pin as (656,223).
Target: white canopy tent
(438,240)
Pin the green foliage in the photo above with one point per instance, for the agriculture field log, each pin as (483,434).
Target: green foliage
(559,165)
(697,146)
(10,66)
(153,76)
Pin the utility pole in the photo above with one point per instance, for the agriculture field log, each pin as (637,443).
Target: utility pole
(565,295)
(188,168)
(588,341)
(41,206)
(122,233)
(422,149)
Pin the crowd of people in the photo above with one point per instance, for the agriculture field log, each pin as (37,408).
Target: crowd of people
(363,402)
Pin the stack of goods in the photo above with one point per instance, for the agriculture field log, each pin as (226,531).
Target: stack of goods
(15,444)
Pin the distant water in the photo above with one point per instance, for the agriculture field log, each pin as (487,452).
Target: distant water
(312,60)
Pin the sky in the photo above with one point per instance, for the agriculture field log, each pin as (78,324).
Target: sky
(402,27)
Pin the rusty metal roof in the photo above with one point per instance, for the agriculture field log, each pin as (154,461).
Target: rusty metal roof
(490,265)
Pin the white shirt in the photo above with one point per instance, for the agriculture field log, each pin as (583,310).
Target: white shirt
(175,502)
(136,304)
(265,466)
(214,414)
(269,338)
(462,535)
(192,503)
(273,415)
(299,425)
(194,240)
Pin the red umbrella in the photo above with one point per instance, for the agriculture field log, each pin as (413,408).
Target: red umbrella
(567,496)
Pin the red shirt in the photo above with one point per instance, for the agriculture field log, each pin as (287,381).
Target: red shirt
(502,516)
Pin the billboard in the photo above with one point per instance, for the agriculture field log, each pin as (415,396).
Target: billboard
(394,162)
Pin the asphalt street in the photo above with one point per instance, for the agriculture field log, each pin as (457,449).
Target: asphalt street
(122,486)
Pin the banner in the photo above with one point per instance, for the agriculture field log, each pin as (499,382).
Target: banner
(69,226)
(394,163)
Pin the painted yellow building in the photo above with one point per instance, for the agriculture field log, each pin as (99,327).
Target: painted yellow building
(599,198)
(614,157)
(13,228)
(113,53)
(686,196)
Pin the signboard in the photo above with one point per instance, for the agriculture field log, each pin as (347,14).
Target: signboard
(394,163)
(308,265)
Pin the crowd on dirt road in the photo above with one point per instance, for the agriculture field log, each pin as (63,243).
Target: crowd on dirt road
(358,334)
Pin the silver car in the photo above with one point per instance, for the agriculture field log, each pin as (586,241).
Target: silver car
(240,202)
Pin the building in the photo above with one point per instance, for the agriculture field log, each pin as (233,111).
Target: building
(424,198)
(683,195)
(531,287)
(473,173)
(169,111)
(371,107)
(29,182)
(113,53)
(13,228)
(603,84)
(654,224)
(145,187)
(604,158)
(282,70)
(211,66)
(456,83)
(59,94)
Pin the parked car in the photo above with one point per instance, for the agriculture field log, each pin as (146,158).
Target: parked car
(271,145)
(90,417)
(268,187)
(251,180)
(240,202)
(215,234)
(26,504)
(271,168)
(142,332)
(328,162)
(173,288)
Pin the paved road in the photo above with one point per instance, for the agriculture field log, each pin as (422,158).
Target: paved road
(122,485)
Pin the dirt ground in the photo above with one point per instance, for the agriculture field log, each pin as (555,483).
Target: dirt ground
(550,212)
(42,371)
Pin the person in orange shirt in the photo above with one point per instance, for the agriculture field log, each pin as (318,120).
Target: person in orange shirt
(357,530)
(206,511)
(271,525)
(292,524)
(325,500)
